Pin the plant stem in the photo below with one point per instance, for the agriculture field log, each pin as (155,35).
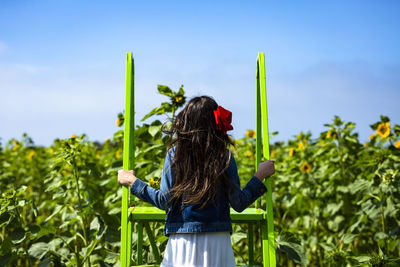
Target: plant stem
(80,202)
(29,263)
(318,249)
(78,260)
(383,224)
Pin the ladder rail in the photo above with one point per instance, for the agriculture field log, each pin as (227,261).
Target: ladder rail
(269,253)
(262,150)
(128,160)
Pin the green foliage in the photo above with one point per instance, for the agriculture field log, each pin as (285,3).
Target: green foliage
(177,99)
(336,201)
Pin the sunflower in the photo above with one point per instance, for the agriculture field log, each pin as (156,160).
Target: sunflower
(372,136)
(291,151)
(178,99)
(16,145)
(154,182)
(305,167)
(273,154)
(389,176)
(31,154)
(108,140)
(117,122)
(329,134)
(299,136)
(300,146)
(251,133)
(73,136)
(117,154)
(249,154)
(397,145)
(366,144)
(383,129)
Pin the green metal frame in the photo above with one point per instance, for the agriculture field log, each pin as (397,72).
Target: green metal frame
(267,227)
(143,215)
(128,160)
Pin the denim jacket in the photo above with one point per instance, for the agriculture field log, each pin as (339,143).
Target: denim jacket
(212,218)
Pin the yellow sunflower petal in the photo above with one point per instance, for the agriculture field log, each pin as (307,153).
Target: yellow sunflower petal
(397,145)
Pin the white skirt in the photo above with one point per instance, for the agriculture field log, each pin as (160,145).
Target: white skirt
(199,250)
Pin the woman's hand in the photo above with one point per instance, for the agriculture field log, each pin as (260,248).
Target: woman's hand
(265,169)
(126,177)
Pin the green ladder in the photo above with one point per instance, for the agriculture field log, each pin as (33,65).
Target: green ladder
(142,216)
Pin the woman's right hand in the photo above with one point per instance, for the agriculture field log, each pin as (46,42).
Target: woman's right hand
(265,169)
(126,177)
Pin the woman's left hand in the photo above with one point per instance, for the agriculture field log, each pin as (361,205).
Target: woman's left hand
(126,177)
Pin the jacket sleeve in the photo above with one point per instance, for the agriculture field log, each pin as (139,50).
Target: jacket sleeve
(158,198)
(241,199)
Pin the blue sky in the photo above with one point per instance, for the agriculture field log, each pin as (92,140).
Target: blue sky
(62,63)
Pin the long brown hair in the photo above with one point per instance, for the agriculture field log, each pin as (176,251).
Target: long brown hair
(201,155)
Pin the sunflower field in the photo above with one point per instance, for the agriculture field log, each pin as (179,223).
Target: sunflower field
(336,199)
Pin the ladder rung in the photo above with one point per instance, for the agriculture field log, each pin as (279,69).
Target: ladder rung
(155,214)
(157,265)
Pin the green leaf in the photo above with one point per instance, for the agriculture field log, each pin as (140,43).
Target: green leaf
(5,218)
(294,251)
(111,257)
(397,129)
(181,90)
(348,238)
(360,185)
(332,208)
(18,235)
(95,224)
(274,133)
(164,90)
(35,209)
(338,121)
(22,203)
(380,235)
(53,244)
(385,118)
(375,125)
(89,249)
(37,232)
(153,130)
(335,224)
(21,190)
(238,236)
(289,244)
(38,250)
(327,247)
(46,262)
(161,239)
(362,258)
(6,246)
(115,210)
(57,210)
(164,108)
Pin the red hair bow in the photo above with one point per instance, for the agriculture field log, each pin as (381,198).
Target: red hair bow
(223,119)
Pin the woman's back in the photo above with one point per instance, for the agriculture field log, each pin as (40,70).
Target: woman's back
(199,184)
